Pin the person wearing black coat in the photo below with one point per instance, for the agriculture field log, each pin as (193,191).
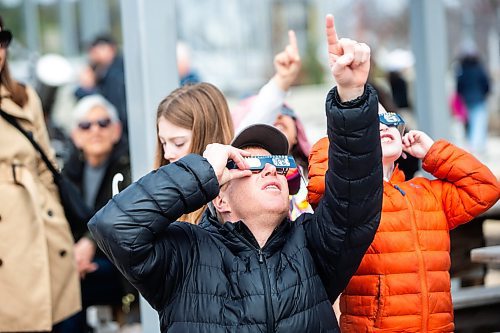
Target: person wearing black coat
(119,163)
(105,75)
(473,86)
(246,267)
(100,160)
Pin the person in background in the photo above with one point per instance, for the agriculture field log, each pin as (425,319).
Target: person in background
(187,75)
(265,106)
(105,75)
(39,284)
(399,89)
(473,86)
(101,154)
(269,106)
(403,282)
(246,267)
(188,119)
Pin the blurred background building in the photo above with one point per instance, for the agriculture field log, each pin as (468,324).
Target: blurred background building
(233,42)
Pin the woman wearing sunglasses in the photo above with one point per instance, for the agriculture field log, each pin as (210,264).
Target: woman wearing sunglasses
(101,154)
(39,283)
(403,282)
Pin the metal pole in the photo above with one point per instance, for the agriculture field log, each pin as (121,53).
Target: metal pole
(67,20)
(429,46)
(32,23)
(94,19)
(149,39)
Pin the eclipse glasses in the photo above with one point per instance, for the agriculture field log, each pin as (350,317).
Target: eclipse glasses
(392,119)
(257,163)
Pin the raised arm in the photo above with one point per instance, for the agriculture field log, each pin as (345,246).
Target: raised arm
(348,215)
(135,228)
(268,102)
(465,186)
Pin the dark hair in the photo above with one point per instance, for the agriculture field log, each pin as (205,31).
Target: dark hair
(17,91)
(103,39)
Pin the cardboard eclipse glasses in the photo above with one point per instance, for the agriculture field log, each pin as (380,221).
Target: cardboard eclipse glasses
(257,163)
(392,119)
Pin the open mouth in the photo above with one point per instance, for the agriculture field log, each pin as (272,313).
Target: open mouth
(386,138)
(272,186)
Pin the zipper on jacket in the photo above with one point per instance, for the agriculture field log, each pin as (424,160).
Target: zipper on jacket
(266,282)
(261,257)
(421,272)
(267,292)
(378,314)
(399,189)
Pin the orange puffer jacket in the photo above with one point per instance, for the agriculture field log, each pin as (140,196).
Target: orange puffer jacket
(403,284)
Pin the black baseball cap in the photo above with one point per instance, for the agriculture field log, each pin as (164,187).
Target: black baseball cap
(261,135)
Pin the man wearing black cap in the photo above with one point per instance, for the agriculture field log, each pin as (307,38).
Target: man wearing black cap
(246,267)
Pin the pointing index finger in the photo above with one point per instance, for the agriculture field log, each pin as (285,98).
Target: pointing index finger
(331,35)
(292,40)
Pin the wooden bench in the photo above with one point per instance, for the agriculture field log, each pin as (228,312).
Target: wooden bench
(477,309)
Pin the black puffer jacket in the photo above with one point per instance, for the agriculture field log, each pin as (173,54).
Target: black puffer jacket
(214,277)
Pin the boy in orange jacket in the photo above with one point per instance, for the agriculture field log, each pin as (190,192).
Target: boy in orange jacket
(403,284)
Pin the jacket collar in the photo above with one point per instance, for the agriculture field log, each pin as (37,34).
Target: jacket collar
(12,108)
(398,176)
(239,239)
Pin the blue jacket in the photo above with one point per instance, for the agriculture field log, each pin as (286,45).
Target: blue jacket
(472,82)
(214,277)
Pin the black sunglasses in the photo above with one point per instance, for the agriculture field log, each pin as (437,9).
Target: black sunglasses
(5,38)
(102,123)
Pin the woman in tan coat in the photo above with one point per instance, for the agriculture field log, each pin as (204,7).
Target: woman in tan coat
(39,284)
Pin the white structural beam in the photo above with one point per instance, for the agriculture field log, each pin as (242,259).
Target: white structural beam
(149,39)
(428,40)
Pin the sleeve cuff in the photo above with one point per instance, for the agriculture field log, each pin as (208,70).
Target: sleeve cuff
(354,103)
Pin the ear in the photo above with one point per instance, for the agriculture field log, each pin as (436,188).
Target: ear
(221,204)
(76,136)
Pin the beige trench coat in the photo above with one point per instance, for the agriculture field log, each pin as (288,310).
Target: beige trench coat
(39,284)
